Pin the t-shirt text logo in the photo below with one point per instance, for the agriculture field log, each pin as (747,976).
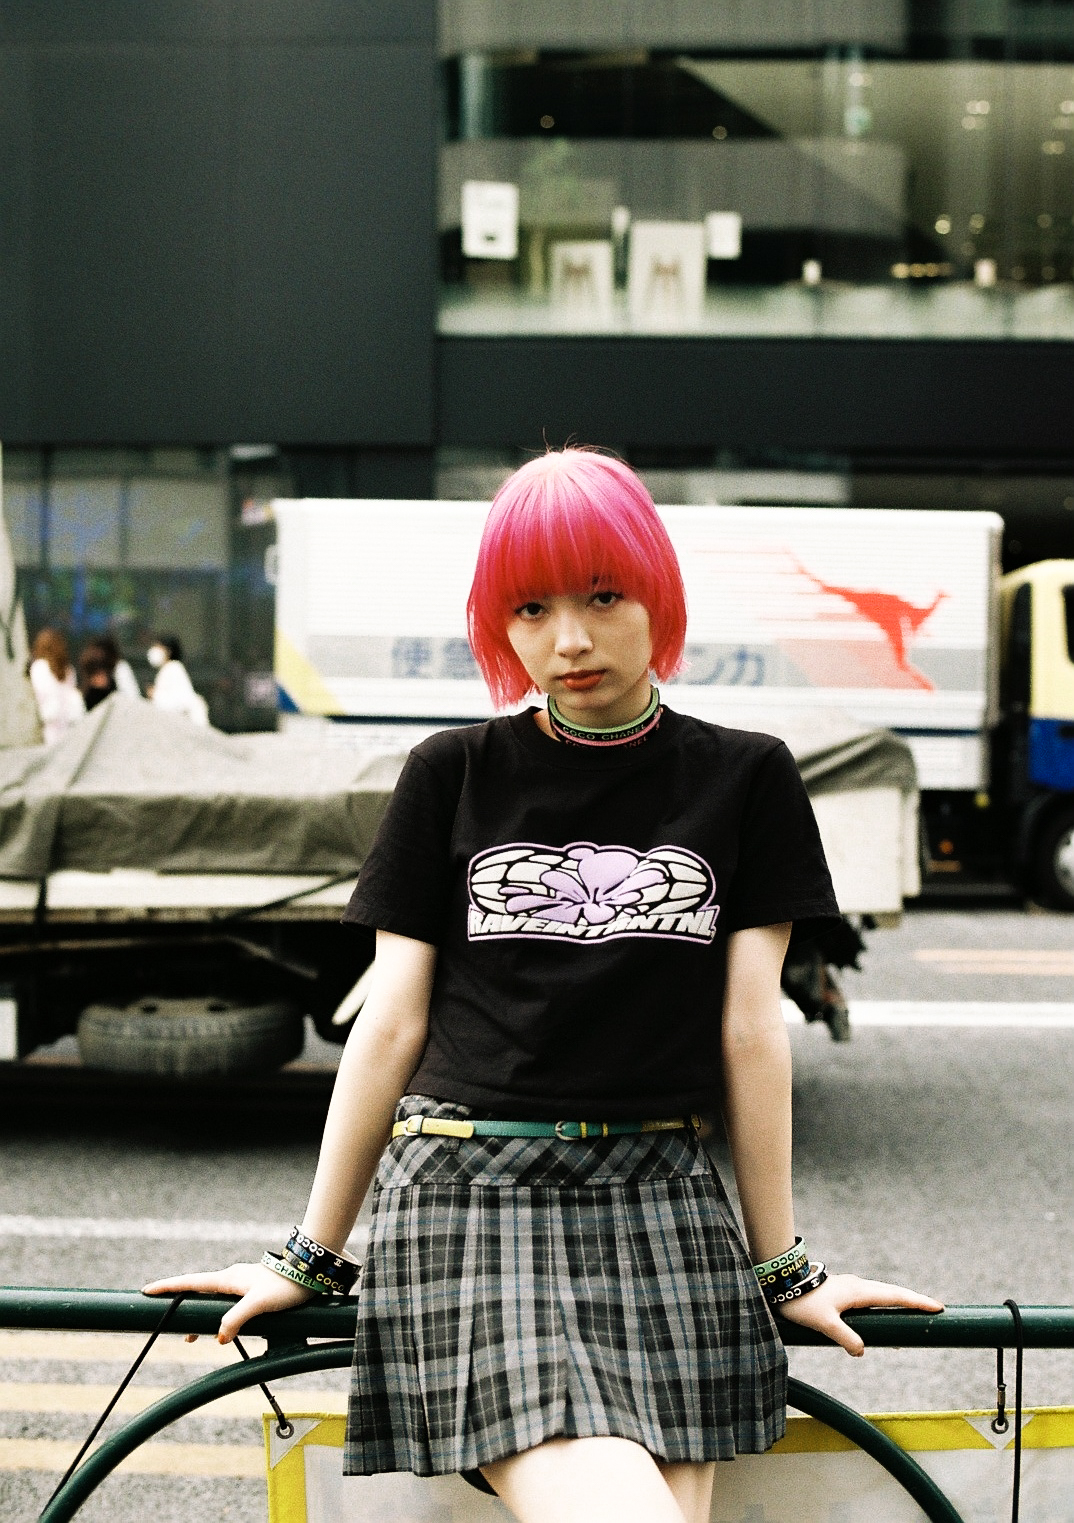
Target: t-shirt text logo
(588,893)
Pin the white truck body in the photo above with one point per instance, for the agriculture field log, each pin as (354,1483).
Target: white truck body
(887,617)
(796,615)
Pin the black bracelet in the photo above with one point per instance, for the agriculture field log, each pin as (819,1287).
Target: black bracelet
(817,1276)
(783,1279)
(318,1260)
(795,1255)
(322,1278)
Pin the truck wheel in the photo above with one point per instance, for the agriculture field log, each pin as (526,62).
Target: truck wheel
(189,1038)
(1053,861)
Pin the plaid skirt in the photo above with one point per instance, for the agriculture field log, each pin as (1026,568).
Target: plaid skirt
(521,1289)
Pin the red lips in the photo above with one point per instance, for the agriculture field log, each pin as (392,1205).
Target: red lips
(581,682)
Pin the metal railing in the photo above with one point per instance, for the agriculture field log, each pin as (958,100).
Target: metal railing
(288,1352)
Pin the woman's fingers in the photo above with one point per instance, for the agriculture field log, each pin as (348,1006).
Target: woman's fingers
(857,1293)
(259,1290)
(235,1280)
(838,1331)
(822,1308)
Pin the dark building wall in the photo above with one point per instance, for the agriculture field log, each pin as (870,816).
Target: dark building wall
(915,399)
(218,221)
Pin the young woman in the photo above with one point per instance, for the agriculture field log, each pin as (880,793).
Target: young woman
(581,913)
(172,689)
(52,677)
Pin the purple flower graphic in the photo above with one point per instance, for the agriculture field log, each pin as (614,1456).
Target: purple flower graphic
(596,885)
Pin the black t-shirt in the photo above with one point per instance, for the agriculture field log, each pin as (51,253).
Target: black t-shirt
(581,902)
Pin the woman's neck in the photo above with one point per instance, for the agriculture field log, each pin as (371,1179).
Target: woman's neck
(631,732)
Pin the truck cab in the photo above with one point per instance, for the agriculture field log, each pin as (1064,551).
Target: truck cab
(1034,745)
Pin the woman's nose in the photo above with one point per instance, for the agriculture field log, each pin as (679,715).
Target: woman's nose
(572,636)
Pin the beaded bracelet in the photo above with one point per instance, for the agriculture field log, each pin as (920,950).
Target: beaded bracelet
(817,1276)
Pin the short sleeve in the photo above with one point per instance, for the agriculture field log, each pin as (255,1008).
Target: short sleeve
(781,873)
(404,882)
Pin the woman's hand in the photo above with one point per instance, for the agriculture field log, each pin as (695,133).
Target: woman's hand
(822,1309)
(261,1290)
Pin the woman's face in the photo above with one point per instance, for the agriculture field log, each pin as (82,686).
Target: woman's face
(591,652)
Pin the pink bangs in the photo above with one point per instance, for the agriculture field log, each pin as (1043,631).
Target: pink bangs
(567,522)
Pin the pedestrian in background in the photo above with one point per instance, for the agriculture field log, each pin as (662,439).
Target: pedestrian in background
(102,652)
(172,688)
(52,677)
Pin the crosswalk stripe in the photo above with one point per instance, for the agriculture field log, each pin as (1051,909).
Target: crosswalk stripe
(53,1454)
(112,1348)
(1026,956)
(146,1227)
(155,1230)
(43,1397)
(984,1013)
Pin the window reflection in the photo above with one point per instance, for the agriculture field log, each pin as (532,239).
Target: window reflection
(696,189)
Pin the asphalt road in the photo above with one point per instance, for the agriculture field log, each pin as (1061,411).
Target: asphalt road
(934,1155)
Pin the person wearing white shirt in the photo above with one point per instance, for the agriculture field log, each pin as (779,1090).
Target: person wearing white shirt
(52,677)
(172,688)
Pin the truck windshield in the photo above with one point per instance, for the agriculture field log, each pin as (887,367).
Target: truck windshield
(1068,609)
(1019,654)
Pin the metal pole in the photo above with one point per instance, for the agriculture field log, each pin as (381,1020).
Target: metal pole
(287,1354)
(129,1311)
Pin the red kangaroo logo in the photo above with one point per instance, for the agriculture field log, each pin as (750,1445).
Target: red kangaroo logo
(897,619)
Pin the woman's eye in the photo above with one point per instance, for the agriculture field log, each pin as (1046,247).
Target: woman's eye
(606,599)
(530,610)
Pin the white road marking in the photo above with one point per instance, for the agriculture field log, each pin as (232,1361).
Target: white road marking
(114,1348)
(151,1459)
(91,1399)
(980,1013)
(155,1230)
(1017,962)
(1027,955)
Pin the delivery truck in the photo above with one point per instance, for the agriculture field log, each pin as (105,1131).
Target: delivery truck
(802,621)
(174,895)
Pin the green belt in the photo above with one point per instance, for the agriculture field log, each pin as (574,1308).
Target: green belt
(567,1131)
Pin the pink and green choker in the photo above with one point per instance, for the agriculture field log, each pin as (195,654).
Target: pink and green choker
(630,734)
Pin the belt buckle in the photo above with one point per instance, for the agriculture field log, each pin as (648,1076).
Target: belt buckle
(586,1129)
(413,1125)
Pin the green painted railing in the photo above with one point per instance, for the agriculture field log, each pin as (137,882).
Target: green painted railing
(287,1353)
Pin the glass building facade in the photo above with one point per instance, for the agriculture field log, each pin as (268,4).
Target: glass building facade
(139,543)
(870,169)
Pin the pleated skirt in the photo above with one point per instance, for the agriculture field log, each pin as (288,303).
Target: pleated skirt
(520,1289)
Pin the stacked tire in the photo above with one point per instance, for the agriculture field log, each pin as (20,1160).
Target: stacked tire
(190,1038)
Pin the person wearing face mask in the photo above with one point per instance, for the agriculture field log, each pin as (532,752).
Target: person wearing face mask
(172,689)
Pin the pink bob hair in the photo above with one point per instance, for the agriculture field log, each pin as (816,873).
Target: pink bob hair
(567,522)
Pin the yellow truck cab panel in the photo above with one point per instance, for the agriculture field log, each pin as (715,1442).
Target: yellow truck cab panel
(1049,586)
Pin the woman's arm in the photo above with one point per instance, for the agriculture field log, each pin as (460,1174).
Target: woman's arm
(757,1087)
(757,1117)
(382,1051)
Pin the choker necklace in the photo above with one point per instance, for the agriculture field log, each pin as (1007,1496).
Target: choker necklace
(630,734)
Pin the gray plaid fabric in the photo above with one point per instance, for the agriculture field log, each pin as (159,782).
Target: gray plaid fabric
(516,1289)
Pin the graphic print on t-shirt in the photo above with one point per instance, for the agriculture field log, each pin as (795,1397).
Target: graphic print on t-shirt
(584,892)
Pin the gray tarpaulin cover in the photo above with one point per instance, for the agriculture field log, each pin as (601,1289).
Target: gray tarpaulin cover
(133,787)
